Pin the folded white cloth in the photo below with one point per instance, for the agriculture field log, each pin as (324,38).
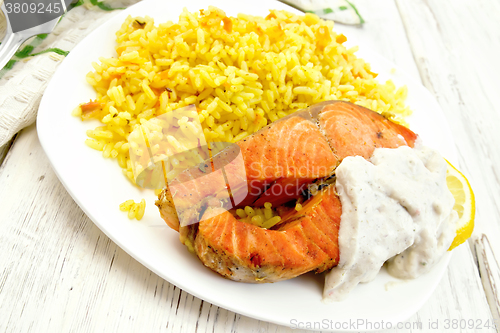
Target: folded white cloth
(22,83)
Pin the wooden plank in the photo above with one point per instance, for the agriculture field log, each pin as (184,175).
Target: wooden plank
(4,150)
(490,273)
(59,272)
(456,47)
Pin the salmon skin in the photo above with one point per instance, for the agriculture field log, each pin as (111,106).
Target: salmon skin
(291,153)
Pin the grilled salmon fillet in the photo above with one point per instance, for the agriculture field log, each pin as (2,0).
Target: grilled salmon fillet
(244,252)
(294,151)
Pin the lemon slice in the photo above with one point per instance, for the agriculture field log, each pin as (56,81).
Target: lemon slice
(464,204)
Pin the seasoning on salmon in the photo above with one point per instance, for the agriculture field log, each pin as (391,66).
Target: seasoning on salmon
(294,154)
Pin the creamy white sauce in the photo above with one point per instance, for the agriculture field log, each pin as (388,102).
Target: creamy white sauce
(396,208)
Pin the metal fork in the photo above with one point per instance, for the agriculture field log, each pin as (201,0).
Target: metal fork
(13,40)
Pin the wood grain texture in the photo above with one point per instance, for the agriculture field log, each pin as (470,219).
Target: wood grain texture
(456,48)
(60,273)
(4,150)
(490,273)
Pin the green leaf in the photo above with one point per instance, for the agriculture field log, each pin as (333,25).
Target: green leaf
(75,4)
(25,52)
(361,21)
(52,49)
(10,64)
(103,6)
(327,10)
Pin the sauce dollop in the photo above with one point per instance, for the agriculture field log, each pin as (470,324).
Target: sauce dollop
(396,208)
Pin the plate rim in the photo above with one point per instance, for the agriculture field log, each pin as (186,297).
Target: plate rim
(42,130)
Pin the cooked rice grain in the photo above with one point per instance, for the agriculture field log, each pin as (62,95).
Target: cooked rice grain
(134,210)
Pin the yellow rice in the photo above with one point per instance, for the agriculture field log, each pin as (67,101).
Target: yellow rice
(134,210)
(242,73)
(265,217)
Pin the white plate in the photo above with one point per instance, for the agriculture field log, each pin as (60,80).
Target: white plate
(98,186)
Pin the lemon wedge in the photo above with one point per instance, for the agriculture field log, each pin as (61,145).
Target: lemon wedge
(464,204)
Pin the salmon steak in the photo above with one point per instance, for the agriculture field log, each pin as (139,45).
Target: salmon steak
(281,163)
